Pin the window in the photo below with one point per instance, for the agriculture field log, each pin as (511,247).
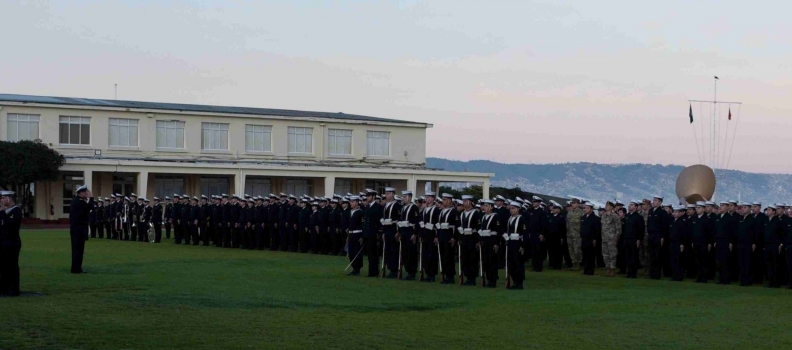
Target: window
(124,184)
(23,127)
(123,132)
(343,187)
(258,187)
(214,136)
(211,186)
(75,131)
(167,186)
(258,138)
(300,140)
(377,185)
(170,134)
(378,143)
(340,141)
(299,187)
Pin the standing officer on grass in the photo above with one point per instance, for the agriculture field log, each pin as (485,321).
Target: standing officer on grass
(10,244)
(78,217)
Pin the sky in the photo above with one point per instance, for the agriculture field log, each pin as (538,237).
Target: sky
(508,81)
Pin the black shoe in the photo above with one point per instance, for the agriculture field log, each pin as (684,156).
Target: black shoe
(470,282)
(491,285)
(432,279)
(374,275)
(409,278)
(392,274)
(354,273)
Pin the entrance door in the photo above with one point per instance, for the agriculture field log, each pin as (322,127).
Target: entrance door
(70,185)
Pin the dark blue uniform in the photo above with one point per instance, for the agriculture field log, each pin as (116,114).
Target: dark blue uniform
(774,236)
(633,233)
(678,237)
(515,233)
(555,233)
(448,222)
(725,234)
(469,222)
(590,236)
(371,227)
(390,216)
(430,218)
(657,225)
(490,231)
(701,240)
(78,222)
(536,230)
(10,246)
(355,229)
(157,218)
(407,228)
(746,241)
(273,218)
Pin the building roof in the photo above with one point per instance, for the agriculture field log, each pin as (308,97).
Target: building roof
(90,102)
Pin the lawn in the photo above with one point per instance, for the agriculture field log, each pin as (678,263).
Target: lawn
(144,296)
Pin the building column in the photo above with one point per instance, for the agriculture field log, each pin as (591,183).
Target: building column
(329,186)
(142,184)
(88,179)
(239,184)
(411,185)
(485,188)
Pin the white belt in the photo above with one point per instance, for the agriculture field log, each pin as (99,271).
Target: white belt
(386,222)
(511,237)
(356,231)
(421,224)
(429,226)
(403,224)
(466,231)
(445,226)
(485,233)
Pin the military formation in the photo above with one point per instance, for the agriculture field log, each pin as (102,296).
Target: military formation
(441,238)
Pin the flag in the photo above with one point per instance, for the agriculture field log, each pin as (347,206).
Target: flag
(691,114)
(729,113)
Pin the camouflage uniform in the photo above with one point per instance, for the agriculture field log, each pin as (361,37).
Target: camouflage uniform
(611,230)
(573,218)
(643,253)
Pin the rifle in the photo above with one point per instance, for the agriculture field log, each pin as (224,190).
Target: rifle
(440,260)
(461,277)
(420,259)
(150,233)
(383,256)
(400,259)
(481,267)
(508,277)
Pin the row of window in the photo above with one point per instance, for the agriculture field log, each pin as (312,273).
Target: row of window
(214,136)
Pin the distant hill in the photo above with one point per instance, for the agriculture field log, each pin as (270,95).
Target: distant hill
(633,181)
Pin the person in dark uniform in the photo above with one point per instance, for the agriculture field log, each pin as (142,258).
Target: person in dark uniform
(448,238)
(701,242)
(333,216)
(283,222)
(516,231)
(244,223)
(190,214)
(774,236)
(408,235)
(678,238)
(430,218)
(590,233)
(633,238)
(157,219)
(390,216)
(148,214)
(746,244)
(99,218)
(724,234)
(343,226)
(490,231)
(657,224)
(233,220)
(758,260)
(620,260)
(293,224)
(372,213)
(258,223)
(535,219)
(555,232)
(92,220)
(356,240)
(469,221)
(273,213)
(109,216)
(178,235)
(250,242)
(313,228)
(217,221)
(10,244)
(140,213)
(167,214)
(304,225)
(78,221)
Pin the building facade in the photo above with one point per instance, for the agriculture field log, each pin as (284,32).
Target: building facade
(158,149)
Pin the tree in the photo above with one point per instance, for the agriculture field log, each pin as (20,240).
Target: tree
(25,163)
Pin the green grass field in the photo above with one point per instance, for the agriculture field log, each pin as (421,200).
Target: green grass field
(143,296)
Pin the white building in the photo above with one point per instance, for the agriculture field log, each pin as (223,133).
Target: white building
(158,149)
